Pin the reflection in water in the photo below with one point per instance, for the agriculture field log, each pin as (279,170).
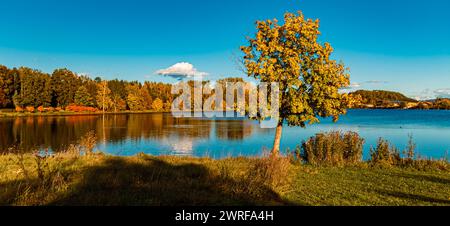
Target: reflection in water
(161,134)
(178,134)
(183,146)
(233,129)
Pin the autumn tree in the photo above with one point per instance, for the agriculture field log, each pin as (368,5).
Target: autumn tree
(309,81)
(134,101)
(65,84)
(118,87)
(138,98)
(3,99)
(146,98)
(354,100)
(103,99)
(157,104)
(35,88)
(7,88)
(118,104)
(91,87)
(83,97)
(159,90)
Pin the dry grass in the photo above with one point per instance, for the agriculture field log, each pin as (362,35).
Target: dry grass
(97,179)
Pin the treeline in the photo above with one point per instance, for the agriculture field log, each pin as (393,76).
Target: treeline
(440,103)
(26,89)
(31,90)
(379,97)
(389,99)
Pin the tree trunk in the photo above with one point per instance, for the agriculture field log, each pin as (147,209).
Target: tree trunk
(103,99)
(276,143)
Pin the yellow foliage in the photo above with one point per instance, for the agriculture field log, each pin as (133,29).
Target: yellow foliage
(291,55)
(157,104)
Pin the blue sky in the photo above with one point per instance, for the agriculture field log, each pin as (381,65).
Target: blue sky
(401,45)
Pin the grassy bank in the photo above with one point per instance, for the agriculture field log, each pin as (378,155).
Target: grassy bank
(97,179)
(365,185)
(68,179)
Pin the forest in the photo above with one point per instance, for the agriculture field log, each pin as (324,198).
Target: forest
(28,89)
(31,90)
(377,96)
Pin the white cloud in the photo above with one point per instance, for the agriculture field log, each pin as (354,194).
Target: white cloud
(353,85)
(376,82)
(358,85)
(429,94)
(443,93)
(181,71)
(426,94)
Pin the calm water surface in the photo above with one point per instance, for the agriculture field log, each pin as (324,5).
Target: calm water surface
(161,134)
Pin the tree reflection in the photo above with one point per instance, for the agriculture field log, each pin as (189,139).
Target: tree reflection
(57,132)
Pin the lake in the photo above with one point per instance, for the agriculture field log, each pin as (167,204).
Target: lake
(162,134)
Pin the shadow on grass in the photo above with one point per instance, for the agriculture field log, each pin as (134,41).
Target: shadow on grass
(156,182)
(413,197)
(429,178)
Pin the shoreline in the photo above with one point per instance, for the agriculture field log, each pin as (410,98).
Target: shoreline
(15,114)
(68,113)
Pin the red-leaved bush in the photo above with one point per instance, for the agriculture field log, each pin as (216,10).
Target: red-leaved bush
(19,109)
(77,108)
(30,109)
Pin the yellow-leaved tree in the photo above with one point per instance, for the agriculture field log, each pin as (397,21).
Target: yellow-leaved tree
(157,105)
(309,81)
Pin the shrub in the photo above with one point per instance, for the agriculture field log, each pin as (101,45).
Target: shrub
(77,108)
(30,109)
(88,142)
(385,154)
(19,109)
(333,148)
(41,108)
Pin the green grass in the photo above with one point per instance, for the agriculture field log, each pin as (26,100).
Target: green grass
(370,186)
(71,179)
